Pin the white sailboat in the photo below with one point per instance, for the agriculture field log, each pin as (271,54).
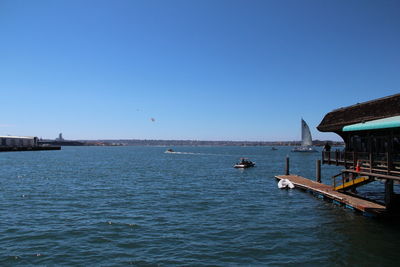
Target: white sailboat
(306,140)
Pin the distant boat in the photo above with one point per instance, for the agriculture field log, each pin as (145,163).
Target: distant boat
(169,151)
(306,140)
(273,148)
(244,163)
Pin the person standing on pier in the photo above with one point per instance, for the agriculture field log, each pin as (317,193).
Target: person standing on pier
(327,147)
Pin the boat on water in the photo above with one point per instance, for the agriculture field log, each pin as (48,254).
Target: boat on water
(169,151)
(244,163)
(274,148)
(306,140)
(285,184)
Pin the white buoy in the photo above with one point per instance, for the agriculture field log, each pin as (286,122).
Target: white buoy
(284,183)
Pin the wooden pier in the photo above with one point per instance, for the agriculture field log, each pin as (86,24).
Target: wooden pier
(367,208)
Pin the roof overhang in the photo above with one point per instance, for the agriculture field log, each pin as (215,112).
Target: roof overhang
(391,122)
(377,109)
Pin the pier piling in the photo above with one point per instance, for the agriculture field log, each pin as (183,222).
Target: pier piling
(287,166)
(318,170)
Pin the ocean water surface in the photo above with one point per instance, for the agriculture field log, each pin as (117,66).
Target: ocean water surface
(116,206)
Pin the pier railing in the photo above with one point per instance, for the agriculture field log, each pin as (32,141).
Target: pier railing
(344,181)
(387,164)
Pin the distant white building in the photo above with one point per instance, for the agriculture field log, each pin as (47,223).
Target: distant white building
(18,141)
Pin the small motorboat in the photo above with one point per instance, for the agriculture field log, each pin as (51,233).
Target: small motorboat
(169,151)
(273,148)
(244,163)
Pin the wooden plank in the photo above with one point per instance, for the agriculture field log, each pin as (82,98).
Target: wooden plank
(328,191)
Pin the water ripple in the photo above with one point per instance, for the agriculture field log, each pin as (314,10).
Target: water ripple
(140,206)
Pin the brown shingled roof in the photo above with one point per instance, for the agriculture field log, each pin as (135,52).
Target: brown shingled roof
(380,108)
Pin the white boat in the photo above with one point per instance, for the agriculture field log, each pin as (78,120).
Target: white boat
(285,183)
(306,140)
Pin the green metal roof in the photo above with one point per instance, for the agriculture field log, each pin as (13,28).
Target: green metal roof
(391,122)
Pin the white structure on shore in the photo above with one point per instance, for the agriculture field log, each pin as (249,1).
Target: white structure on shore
(60,138)
(18,141)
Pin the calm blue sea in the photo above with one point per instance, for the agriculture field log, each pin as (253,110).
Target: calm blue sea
(118,206)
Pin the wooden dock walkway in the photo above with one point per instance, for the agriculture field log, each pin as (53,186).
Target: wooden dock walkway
(368,208)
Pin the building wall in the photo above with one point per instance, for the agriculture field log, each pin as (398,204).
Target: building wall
(15,141)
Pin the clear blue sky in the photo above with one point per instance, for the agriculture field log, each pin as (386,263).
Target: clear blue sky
(206,70)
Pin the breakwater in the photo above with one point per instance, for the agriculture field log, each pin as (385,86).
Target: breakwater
(22,148)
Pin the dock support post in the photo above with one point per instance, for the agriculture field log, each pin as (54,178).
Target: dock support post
(287,166)
(318,170)
(370,162)
(388,193)
(337,157)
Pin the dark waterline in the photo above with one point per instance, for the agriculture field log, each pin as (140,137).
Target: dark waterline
(137,205)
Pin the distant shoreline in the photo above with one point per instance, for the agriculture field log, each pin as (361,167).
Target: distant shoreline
(138,142)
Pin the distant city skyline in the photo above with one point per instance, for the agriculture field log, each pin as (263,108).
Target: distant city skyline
(191,70)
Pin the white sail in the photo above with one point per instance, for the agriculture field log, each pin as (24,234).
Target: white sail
(306,139)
